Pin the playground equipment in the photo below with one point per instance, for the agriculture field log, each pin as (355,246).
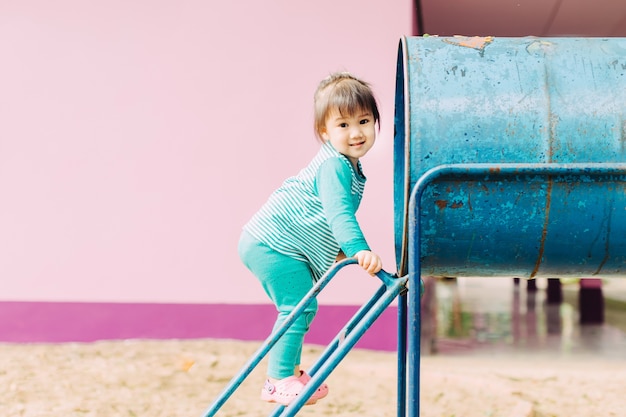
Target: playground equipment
(509,160)
(340,346)
(498,101)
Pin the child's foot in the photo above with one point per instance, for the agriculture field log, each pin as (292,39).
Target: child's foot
(283,391)
(322,390)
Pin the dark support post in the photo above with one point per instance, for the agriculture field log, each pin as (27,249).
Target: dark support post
(591,301)
(531,285)
(554,291)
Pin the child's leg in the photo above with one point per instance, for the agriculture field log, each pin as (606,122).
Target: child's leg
(286,281)
(285,356)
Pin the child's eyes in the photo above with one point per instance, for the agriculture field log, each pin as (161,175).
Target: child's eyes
(361,122)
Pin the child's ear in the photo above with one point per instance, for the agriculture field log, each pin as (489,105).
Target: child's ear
(324,135)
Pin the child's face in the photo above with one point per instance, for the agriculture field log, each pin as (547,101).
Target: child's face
(351,135)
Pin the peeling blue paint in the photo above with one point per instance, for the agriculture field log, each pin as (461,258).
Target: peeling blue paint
(521,100)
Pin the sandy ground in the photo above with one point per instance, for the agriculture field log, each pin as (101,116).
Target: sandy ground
(181,378)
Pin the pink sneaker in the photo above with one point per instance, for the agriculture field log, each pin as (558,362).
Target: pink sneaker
(322,390)
(284,391)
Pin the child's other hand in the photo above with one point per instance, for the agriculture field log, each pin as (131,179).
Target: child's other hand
(369,261)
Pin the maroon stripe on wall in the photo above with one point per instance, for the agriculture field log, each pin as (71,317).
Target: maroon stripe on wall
(57,322)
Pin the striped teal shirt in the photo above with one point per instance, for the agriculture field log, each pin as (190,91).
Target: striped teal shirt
(312,215)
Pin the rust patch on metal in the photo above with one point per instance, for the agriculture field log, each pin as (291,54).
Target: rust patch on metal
(544,231)
(553,121)
(474,42)
(442,204)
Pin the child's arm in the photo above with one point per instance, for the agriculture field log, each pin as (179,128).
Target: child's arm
(334,189)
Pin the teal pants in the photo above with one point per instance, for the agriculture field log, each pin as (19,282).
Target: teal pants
(286,281)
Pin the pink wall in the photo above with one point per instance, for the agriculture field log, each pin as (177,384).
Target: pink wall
(136,138)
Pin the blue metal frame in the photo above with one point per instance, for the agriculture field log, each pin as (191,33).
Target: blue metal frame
(409,301)
(336,350)
(472,172)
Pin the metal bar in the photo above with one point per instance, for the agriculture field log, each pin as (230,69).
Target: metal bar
(273,338)
(413,323)
(459,171)
(402,352)
(348,328)
(396,285)
(334,344)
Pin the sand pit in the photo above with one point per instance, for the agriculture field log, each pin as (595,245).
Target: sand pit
(176,378)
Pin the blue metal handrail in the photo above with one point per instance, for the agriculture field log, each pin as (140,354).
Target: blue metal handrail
(336,350)
(459,171)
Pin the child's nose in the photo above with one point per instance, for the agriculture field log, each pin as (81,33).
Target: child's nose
(356,132)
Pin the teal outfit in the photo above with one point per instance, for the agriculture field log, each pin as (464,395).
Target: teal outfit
(295,238)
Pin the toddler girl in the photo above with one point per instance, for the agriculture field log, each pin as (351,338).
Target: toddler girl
(309,223)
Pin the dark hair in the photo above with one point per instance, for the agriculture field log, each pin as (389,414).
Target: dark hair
(345,93)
